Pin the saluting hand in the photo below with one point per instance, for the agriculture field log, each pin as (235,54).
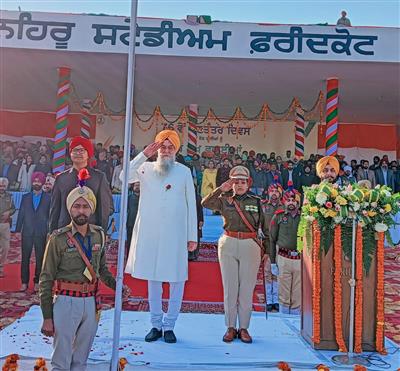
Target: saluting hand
(227,186)
(152,149)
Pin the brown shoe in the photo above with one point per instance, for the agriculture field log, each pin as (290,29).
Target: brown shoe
(244,335)
(230,335)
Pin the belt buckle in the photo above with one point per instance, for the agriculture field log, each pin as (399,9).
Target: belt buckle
(294,253)
(85,288)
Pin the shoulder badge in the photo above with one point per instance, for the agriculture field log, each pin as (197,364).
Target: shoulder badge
(61,230)
(70,243)
(279,211)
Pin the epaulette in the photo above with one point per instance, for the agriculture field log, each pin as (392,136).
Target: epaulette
(61,230)
(252,195)
(102,233)
(279,211)
(97,227)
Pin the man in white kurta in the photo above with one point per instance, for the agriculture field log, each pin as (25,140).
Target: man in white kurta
(164,231)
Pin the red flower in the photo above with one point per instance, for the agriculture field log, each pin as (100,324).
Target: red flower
(328,205)
(167,187)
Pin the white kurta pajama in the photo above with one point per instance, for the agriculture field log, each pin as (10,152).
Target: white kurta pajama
(165,223)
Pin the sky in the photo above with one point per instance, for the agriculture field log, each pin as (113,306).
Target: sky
(360,12)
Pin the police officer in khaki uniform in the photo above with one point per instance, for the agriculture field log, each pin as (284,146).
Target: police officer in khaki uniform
(238,252)
(269,207)
(74,260)
(7,209)
(285,258)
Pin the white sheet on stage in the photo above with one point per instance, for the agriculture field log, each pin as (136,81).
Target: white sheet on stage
(395,230)
(199,341)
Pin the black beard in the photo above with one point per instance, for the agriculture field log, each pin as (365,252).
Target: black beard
(36,187)
(81,219)
(291,207)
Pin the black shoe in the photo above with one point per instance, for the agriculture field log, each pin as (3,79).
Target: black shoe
(153,335)
(275,307)
(270,307)
(169,336)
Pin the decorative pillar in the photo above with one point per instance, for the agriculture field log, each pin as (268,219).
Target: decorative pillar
(86,106)
(192,129)
(332,122)
(299,135)
(60,144)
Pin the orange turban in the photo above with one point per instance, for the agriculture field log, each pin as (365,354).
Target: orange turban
(171,135)
(321,164)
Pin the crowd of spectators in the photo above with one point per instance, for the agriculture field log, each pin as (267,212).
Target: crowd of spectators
(19,159)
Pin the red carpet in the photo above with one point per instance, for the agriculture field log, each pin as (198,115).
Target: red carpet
(204,284)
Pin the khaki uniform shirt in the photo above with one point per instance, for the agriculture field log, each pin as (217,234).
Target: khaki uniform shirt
(248,203)
(283,232)
(63,262)
(269,210)
(6,204)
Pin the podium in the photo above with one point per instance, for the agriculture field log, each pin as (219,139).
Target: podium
(327,308)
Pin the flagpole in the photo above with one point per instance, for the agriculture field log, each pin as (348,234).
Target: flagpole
(124,196)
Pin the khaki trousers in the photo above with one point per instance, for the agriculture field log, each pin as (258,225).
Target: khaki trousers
(289,281)
(239,261)
(271,284)
(4,243)
(75,327)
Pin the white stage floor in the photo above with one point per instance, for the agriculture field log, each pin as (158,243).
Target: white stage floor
(199,345)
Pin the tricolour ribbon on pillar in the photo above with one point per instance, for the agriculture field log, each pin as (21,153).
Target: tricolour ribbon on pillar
(192,129)
(332,122)
(299,135)
(60,144)
(86,106)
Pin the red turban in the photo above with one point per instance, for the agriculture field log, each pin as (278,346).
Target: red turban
(38,175)
(85,143)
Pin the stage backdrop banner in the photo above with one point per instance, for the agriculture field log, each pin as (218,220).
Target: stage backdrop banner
(39,124)
(110,34)
(363,141)
(277,137)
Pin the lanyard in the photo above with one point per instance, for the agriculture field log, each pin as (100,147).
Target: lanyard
(87,249)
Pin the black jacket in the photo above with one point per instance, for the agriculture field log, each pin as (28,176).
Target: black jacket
(295,178)
(65,182)
(12,175)
(380,179)
(200,216)
(133,206)
(31,222)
